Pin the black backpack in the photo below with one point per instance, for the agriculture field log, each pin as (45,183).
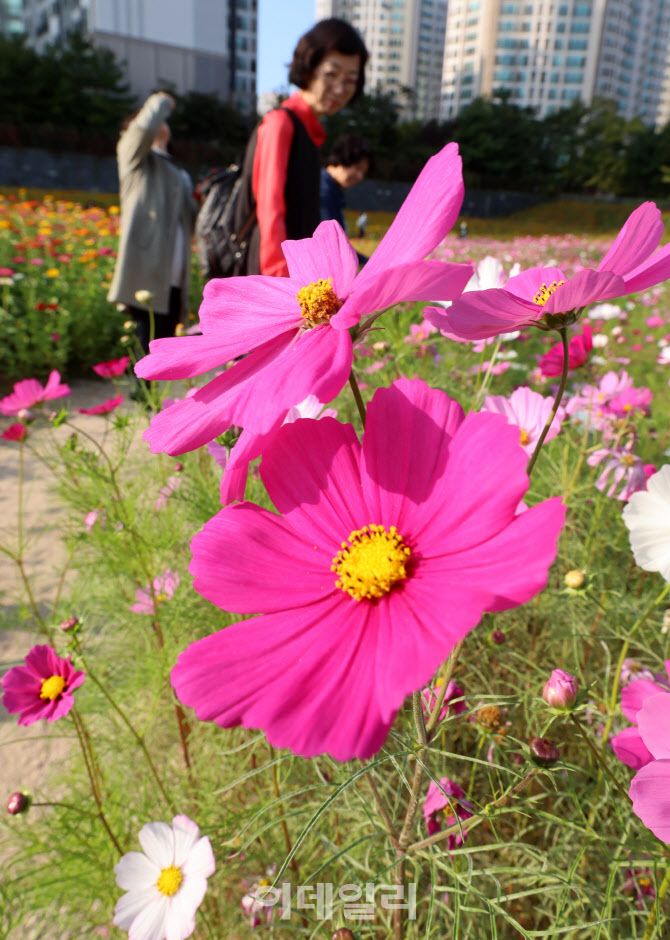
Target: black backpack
(219,248)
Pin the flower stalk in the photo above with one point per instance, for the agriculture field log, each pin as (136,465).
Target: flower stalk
(557,401)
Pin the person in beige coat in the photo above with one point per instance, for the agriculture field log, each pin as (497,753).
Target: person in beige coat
(157,216)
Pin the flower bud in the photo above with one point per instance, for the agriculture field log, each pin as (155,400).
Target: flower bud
(497,637)
(18,803)
(129,325)
(124,340)
(544,752)
(69,624)
(575,579)
(342,934)
(143,296)
(561,690)
(178,467)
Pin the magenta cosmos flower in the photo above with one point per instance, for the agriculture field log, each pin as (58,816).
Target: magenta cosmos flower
(104,408)
(385,555)
(29,392)
(547,297)
(629,745)
(444,802)
(295,330)
(112,368)
(42,688)
(15,432)
(650,787)
(529,411)
(579,349)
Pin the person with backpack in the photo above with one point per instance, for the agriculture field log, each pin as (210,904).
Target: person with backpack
(157,214)
(281,170)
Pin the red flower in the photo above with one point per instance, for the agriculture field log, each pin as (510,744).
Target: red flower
(15,432)
(579,347)
(104,408)
(112,368)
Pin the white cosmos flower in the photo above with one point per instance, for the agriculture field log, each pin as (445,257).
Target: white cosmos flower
(165,883)
(647,517)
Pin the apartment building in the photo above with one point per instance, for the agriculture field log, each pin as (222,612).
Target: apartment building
(193,45)
(547,54)
(406,43)
(11,18)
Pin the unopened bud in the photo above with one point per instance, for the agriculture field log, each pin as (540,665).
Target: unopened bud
(561,690)
(544,752)
(342,934)
(18,803)
(143,296)
(69,624)
(575,579)
(178,467)
(124,340)
(129,325)
(497,637)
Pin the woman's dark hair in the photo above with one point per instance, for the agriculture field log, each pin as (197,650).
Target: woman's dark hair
(349,149)
(332,35)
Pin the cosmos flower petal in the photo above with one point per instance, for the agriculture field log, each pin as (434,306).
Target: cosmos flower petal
(327,254)
(130,905)
(650,793)
(653,720)
(639,236)
(435,199)
(325,650)
(402,467)
(584,288)
(312,475)
(480,314)
(150,923)
(157,841)
(630,748)
(134,869)
(647,518)
(634,695)
(427,280)
(185,835)
(181,922)
(200,862)
(251,533)
(256,305)
(653,271)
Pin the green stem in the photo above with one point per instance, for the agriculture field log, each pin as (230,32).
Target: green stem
(653,913)
(492,361)
(557,401)
(89,762)
(446,679)
(360,404)
(601,763)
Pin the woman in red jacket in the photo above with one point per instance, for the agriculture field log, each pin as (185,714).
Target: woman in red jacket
(282,162)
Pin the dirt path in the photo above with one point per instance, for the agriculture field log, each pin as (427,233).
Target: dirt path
(27,753)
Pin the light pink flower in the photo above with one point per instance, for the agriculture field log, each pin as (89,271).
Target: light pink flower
(628,744)
(431,693)
(536,293)
(295,330)
(91,518)
(384,556)
(173,483)
(164,586)
(42,688)
(579,347)
(104,408)
(631,400)
(29,392)
(529,411)
(623,471)
(650,787)
(444,802)
(561,689)
(112,368)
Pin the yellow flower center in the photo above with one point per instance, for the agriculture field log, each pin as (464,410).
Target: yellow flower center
(371,562)
(318,301)
(628,460)
(545,292)
(52,687)
(627,408)
(525,437)
(169,880)
(161,598)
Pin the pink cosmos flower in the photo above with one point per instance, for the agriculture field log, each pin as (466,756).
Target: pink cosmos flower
(15,432)
(384,556)
(91,518)
(219,453)
(529,411)
(628,745)
(104,408)
(579,347)
(631,400)
(29,392)
(164,586)
(444,802)
(42,688)
(173,483)
(454,691)
(295,330)
(543,294)
(623,471)
(633,669)
(650,787)
(112,368)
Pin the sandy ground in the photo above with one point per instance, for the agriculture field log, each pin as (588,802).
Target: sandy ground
(26,754)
